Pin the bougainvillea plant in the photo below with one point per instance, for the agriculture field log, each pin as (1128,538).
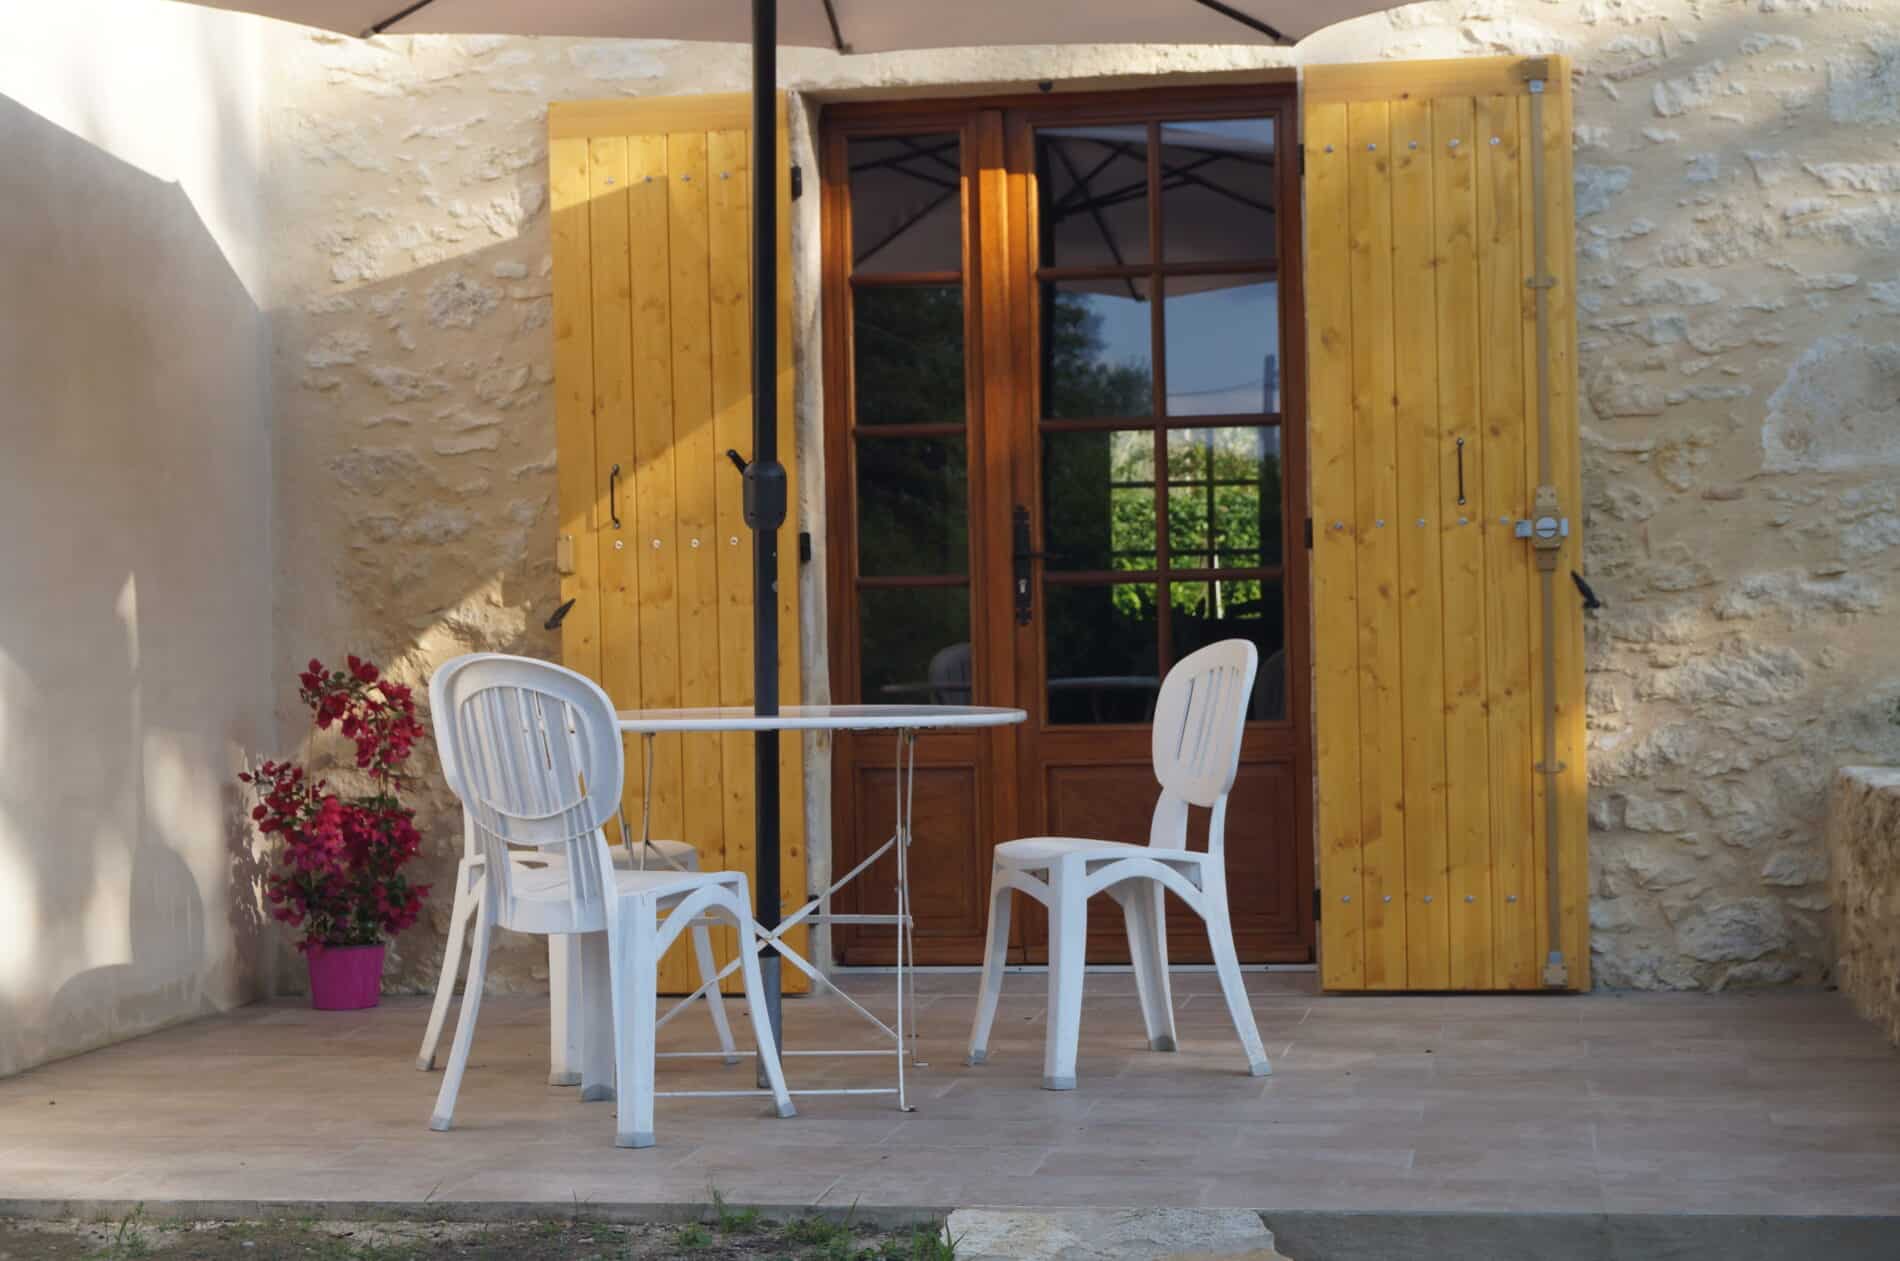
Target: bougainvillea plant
(339,876)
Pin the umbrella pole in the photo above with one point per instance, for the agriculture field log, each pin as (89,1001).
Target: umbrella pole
(765,492)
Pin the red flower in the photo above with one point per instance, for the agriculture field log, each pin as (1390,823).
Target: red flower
(340,870)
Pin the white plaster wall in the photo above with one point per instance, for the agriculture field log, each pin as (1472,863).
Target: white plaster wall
(1736,212)
(135,618)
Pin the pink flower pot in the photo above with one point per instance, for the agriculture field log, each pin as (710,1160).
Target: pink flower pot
(345,978)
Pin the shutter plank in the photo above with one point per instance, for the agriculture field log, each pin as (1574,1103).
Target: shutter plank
(1329,313)
(730,287)
(1467,747)
(696,465)
(612,302)
(1375,458)
(1573,783)
(657,539)
(579,487)
(1509,578)
(792,883)
(1421,514)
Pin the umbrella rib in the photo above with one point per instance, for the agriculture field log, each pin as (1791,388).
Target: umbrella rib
(1101,224)
(1079,192)
(837,32)
(1246,20)
(904,227)
(386,23)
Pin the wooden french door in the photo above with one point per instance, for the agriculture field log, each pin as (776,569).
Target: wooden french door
(1064,449)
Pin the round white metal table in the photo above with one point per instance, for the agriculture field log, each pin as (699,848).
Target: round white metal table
(907,722)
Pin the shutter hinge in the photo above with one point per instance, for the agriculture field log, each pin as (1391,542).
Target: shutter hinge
(804,547)
(1302,157)
(1316,906)
(798,181)
(1309,534)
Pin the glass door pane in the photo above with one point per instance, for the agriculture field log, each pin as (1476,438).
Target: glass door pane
(909,419)
(1144,360)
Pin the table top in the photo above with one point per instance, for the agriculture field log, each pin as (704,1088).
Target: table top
(819,718)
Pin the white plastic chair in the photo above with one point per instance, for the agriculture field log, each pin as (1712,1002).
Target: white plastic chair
(1199,717)
(563,978)
(539,763)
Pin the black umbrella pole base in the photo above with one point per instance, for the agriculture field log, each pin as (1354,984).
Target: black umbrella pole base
(774,1014)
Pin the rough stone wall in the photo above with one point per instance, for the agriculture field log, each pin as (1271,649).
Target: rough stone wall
(412,358)
(1739,208)
(1863,849)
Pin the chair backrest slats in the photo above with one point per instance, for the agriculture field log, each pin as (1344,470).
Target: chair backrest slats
(537,762)
(1200,716)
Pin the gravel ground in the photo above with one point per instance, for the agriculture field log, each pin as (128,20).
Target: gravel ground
(731,1235)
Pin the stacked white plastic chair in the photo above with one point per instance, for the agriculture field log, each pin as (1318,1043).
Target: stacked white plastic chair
(539,764)
(1199,718)
(563,978)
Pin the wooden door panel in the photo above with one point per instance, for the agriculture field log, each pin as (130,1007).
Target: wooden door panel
(1268,900)
(1428,454)
(1109,801)
(952,813)
(947,882)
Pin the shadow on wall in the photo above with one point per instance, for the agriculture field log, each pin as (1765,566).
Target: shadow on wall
(135,633)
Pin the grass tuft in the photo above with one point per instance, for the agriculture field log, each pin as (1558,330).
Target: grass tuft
(730,1220)
(129,1240)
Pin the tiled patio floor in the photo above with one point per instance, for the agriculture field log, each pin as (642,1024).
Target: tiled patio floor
(1770,1103)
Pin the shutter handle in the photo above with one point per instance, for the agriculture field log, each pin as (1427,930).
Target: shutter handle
(613,495)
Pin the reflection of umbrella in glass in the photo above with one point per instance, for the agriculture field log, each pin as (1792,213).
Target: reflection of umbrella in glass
(861,26)
(1217,190)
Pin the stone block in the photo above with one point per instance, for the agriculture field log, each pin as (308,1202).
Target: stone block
(1863,853)
(1175,1234)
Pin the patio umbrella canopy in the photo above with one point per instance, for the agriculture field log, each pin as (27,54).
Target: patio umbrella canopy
(847,26)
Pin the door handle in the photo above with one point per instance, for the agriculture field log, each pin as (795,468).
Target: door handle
(1021,555)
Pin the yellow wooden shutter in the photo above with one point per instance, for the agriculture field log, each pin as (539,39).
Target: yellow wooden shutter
(1429,636)
(653,376)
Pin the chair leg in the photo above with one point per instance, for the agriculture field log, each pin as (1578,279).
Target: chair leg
(708,969)
(1068,943)
(1164,984)
(1147,951)
(755,1003)
(468,900)
(1220,936)
(566,1011)
(635,985)
(590,1010)
(995,958)
(465,1026)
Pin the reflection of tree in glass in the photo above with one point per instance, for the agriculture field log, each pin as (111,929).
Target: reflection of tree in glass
(1099,505)
(913,507)
(909,353)
(1223,513)
(912,492)
(1078,382)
